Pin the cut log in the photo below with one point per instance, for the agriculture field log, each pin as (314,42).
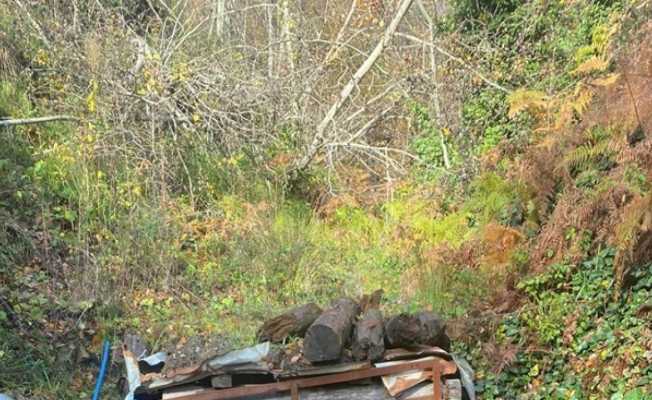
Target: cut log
(424,328)
(369,337)
(367,302)
(327,336)
(292,323)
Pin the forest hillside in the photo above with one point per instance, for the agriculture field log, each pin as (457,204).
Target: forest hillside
(204,164)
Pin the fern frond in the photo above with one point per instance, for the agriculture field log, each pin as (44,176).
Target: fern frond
(592,64)
(583,97)
(547,142)
(526,100)
(606,81)
(597,134)
(632,239)
(583,156)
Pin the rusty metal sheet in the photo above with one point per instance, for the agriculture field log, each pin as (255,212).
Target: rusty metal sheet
(248,361)
(325,370)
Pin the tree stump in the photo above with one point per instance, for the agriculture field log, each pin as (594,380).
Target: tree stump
(409,330)
(368,340)
(327,336)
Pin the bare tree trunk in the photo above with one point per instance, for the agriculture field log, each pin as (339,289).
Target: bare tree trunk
(270,41)
(320,134)
(286,31)
(219,19)
(435,77)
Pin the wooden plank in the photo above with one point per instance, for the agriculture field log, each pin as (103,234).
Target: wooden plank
(325,370)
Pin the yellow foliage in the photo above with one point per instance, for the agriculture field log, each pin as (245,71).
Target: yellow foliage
(181,72)
(91,99)
(606,81)
(593,64)
(41,58)
(499,241)
(583,97)
(633,239)
(93,52)
(548,142)
(526,100)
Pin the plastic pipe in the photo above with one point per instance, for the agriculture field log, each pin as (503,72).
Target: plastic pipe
(106,347)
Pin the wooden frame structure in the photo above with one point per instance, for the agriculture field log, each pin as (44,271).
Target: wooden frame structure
(436,368)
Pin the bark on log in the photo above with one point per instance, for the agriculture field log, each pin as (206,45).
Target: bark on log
(369,337)
(327,336)
(367,302)
(294,322)
(424,328)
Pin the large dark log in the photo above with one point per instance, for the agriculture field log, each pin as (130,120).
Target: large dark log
(292,323)
(424,328)
(369,337)
(327,336)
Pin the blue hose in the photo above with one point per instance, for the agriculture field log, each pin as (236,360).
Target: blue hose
(106,347)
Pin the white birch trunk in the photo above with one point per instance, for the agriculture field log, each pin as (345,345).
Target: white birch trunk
(286,34)
(435,77)
(270,42)
(219,19)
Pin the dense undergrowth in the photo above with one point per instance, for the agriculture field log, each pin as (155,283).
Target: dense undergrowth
(575,341)
(184,239)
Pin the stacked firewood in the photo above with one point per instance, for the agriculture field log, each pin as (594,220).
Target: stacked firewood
(355,328)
